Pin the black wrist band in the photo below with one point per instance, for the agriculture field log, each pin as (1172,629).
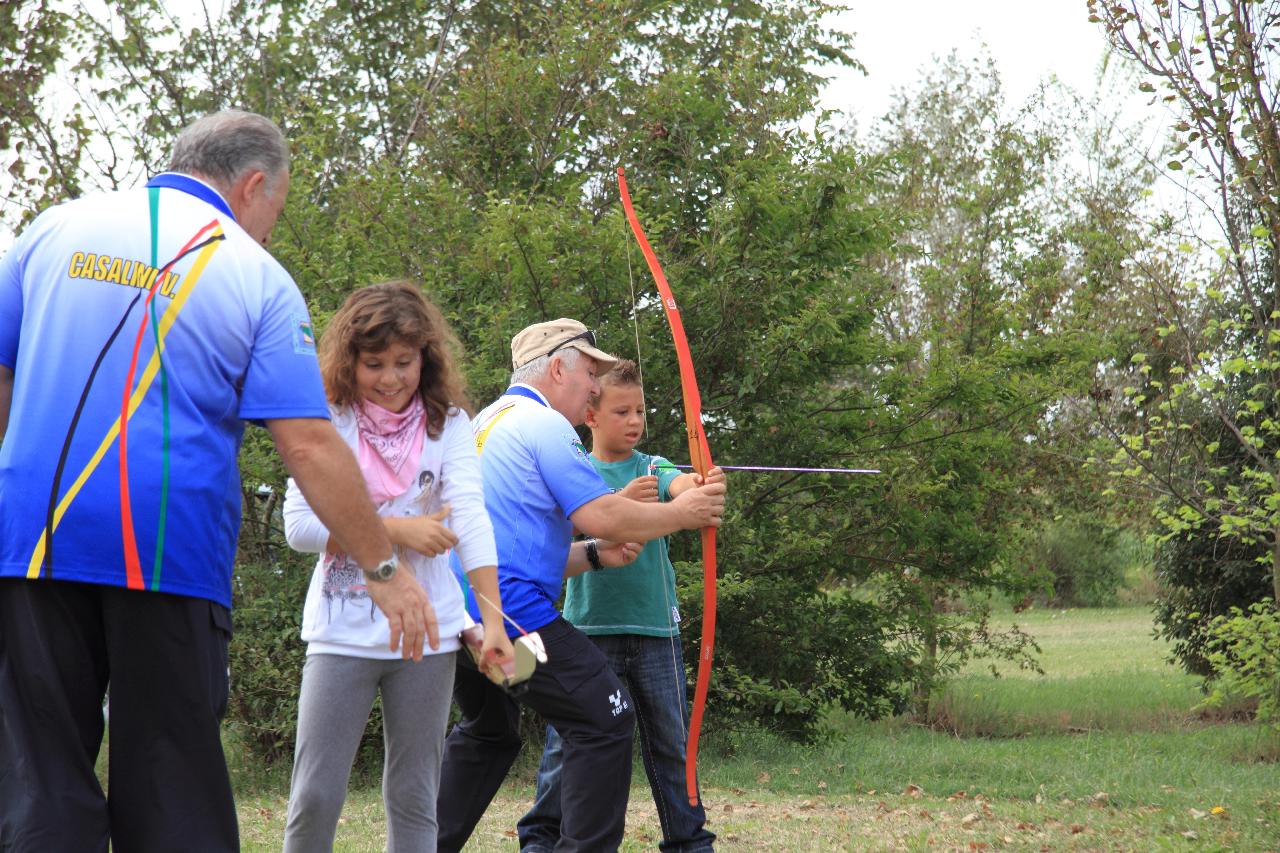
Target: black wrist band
(593,556)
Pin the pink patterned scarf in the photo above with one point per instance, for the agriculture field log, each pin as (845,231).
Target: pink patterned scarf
(389,447)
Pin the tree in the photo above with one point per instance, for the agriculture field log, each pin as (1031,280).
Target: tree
(1213,352)
(1002,298)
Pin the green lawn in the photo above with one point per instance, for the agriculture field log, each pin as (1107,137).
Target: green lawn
(1104,752)
(1103,672)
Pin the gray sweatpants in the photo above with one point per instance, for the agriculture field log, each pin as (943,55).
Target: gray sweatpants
(333,709)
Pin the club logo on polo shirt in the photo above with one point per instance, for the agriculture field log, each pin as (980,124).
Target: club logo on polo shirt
(304,340)
(576,444)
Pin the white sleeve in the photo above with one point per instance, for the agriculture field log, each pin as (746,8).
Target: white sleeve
(302,529)
(464,491)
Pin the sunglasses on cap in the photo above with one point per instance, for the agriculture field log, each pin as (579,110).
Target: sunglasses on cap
(588,336)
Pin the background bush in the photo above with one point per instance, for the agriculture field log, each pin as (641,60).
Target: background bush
(1244,650)
(1203,576)
(1085,560)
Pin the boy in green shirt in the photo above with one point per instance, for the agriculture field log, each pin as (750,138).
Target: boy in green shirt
(631,614)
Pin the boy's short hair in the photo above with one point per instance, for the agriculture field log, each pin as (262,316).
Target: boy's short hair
(625,372)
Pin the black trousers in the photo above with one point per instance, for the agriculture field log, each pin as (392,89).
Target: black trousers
(577,692)
(165,658)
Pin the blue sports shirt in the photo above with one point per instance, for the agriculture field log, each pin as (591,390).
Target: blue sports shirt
(536,474)
(143,328)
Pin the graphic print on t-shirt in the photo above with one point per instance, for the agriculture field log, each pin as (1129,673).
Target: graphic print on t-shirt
(344,582)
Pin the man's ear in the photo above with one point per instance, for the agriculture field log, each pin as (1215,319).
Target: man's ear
(245,190)
(253,185)
(555,370)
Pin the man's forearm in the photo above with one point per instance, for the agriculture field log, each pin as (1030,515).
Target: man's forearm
(6,397)
(577,562)
(621,519)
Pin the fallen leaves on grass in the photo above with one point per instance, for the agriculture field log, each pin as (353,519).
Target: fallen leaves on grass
(758,820)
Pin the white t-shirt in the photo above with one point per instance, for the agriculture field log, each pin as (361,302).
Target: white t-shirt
(339,617)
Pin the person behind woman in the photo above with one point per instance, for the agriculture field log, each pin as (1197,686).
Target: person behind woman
(396,397)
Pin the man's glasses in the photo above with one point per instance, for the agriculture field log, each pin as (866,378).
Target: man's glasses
(588,336)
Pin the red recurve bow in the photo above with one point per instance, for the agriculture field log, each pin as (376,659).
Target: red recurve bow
(700,456)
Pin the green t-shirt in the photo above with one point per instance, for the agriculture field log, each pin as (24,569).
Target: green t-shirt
(639,598)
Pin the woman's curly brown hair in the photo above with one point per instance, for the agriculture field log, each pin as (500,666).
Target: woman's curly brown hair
(375,317)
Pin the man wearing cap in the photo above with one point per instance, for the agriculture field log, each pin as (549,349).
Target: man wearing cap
(539,487)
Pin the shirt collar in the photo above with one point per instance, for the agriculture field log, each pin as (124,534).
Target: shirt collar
(519,389)
(192,186)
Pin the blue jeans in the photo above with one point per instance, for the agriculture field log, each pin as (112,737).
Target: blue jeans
(653,671)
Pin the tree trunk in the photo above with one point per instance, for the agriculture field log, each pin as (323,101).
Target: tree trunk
(1275,567)
(928,660)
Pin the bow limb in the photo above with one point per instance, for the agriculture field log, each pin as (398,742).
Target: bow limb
(700,456)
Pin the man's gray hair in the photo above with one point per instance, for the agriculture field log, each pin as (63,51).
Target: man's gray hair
(536,369)
(222,146)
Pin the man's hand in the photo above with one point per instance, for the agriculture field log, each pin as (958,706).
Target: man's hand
(702,506)
(614,554)
(643,489)
(495,653)
(425,534)
(409,612)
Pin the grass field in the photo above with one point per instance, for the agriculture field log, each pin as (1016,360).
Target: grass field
(1104,752)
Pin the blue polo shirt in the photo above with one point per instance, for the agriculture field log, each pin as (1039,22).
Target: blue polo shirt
(143,328)
(536,474)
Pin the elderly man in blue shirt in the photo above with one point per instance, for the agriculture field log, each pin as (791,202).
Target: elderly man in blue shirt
(539,487)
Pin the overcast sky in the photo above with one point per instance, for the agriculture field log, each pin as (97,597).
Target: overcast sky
(1028,39)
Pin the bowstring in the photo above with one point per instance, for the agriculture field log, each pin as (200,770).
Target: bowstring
(501,612)
(677,665)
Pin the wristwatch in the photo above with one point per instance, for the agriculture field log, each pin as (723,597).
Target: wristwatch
(593,556)
(385,570)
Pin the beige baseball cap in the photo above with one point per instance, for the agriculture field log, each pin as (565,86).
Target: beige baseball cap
(545,338)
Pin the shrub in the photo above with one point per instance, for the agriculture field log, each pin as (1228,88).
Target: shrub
(1084,558)
(1203,576)
(784,666)
(267,655)
(1243,650)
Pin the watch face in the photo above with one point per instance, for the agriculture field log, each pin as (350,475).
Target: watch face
(385,570)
